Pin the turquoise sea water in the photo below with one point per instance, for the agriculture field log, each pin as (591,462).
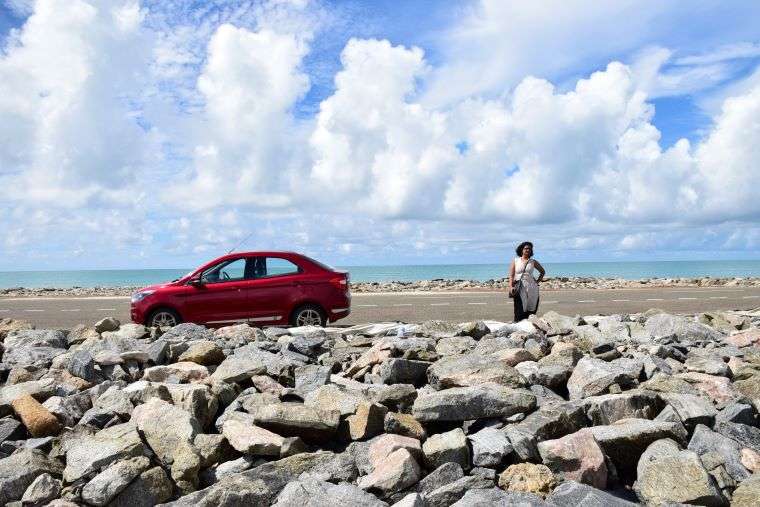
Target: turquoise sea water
(628,270)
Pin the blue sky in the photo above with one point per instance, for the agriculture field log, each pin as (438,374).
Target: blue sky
(158,133)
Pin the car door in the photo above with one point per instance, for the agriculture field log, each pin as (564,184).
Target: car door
(275,285)
(221,297)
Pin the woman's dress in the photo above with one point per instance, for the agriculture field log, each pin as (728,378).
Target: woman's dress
(528,286)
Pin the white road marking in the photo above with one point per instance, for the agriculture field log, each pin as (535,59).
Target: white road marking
(4,310)
(63,298)
(365,306)
(620,300)
(403,304)
(586,301)
(106,309)
(750,297)
(655,299)
(72,310)
(34,310)
(718,297)
(685,299)
(549,302)
(440,304)
(477,303)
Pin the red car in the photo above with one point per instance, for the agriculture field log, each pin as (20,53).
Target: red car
(261,288)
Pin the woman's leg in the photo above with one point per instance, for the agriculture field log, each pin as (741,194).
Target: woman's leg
(519,313)
(538,300)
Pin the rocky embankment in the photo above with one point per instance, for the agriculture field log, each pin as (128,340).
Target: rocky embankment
(433,285)
(565,411)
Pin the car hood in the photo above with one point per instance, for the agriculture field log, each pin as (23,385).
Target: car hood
(155,286)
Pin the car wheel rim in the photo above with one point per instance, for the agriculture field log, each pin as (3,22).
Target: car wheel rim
(309,318)
(164,319)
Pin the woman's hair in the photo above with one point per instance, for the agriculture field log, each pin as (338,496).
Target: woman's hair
(522,245)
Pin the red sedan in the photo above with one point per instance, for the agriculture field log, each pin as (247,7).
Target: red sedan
(261,288)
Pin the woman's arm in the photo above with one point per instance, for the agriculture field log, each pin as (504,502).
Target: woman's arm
(512,275)
(540,269)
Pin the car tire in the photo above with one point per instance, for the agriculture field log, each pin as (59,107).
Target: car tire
(308,315)
(164,317)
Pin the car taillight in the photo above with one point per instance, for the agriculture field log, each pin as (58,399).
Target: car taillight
(340,282)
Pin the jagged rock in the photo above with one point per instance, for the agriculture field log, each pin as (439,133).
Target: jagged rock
(691,410)
(235,369)
(747,493)
(404,424)
(87,454)
(576,457)
(296,420)
(164,427)
(20,470)
(475,402)
(44,489)
(203,352)
(592,377)
(381,447)
(664,324)
(246,437)
(150,488)
(528,478)
(311,492)
(490,447)
(311,377)
(113,480)
(396,472)
(705,441)
(445,474)
(403,371)
(454,491)
(186,463)
(107,324)
(574,494)
(367,422)
(498,497)
(410,500)
(667,474)
(455,345)
(176,373)
(608,408)
(447,447)
(126,332)
(472,370)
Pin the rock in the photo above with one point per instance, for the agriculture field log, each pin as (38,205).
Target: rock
(176,373)
(475,330)
(444,474)
(82,365)
(311,377)
(19,471)
(311,492)
(88,454)
(747,436)
(747,493)
(691,410)
(576,457)
(663,324)
(213,449)
(367,422)
(236,369)
(151,487)
(468,403)
(750,460)
(455,345)
(573,494)
(186,463)
(396,472)
(404,424)
(164,427)
(608,408)
(737,412)
(204,352)
(528,478)
(498,497)
(490,447)
(592,377)
(382,447)
(113,480)
(333,397)
(403,371)
(10,429)
(447,447)
(126,332)
(296,420)
(107,324)
(472,370)
(705,441)
(625,440)
(44,489)
(247,438)
(667,474)
(37,419)
(452,492)
(410,500)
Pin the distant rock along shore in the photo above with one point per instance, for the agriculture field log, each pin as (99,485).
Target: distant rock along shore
(620,410)
(563,282)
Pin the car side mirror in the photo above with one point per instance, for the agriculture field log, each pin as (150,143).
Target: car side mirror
(196,282)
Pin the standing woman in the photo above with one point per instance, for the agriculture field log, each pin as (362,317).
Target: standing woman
(522,286)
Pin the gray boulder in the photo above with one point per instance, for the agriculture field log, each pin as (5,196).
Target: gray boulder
(113,480)
(495,497)
(471,370)
(574,494)
(19,471)
(165,427)
(475,402)
(592,377)
(490,447)
(449,447)
(44,489)
(88,454)
(311,492)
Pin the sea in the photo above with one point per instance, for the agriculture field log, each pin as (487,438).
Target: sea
(628,270)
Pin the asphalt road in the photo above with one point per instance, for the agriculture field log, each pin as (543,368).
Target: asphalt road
(57,312)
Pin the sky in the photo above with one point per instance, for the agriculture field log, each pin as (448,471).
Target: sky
(163,133)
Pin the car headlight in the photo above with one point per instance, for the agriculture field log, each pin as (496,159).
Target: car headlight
(139,296)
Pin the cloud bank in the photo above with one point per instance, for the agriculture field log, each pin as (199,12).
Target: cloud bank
(126,134)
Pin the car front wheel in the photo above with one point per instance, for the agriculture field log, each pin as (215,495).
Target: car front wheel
(164,317)
(308,315)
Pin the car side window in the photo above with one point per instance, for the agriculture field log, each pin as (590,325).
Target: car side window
(228,271)
(267,267)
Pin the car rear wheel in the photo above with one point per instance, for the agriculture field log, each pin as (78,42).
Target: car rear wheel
(164,317)
(308,315)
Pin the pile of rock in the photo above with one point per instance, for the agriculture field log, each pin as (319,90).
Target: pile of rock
(617,410)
